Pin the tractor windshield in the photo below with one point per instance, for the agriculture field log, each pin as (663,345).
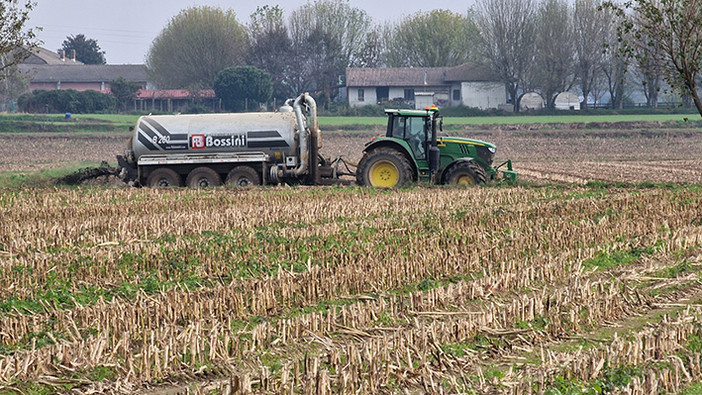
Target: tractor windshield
(412,130)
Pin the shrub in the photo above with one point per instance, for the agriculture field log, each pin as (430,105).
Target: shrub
(69,100)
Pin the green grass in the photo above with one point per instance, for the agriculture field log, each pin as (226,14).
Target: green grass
(109,123)
(56,124)
(329,121)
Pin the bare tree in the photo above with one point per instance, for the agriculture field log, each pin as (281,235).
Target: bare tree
(196,45)
(591,27)
(555,50)
(649,68)
(373,48)
(435,39)
(675,26)
(271,48)
(507,33)
(614,66)
(328,36)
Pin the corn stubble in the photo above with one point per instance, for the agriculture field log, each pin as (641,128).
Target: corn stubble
(346,290)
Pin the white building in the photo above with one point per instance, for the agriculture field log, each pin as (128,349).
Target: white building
(469,84)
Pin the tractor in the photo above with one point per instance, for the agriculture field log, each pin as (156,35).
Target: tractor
(411,151)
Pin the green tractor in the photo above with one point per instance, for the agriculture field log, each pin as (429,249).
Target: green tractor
(411,151)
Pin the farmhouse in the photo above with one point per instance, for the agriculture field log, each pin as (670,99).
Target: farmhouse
(469,85)
(47,70)
(81,77)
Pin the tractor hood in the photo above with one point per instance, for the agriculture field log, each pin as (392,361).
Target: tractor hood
(462,146)
(462,140)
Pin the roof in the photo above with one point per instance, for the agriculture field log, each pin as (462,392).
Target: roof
(470,72)
(40,56)
(84,72)
(412,113)
(417,76)
(173,94)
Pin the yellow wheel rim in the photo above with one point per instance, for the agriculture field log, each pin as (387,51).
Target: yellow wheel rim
(465,180)
(384,174)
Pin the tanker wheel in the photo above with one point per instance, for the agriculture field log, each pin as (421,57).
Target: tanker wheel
(164,177)
(203,177)
(466,173)
(384,168)
(243,176)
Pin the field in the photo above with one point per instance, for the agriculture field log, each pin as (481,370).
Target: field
(585,277)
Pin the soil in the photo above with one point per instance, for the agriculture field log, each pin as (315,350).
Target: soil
(569,153)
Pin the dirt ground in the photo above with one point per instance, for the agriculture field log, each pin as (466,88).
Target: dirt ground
(630,152)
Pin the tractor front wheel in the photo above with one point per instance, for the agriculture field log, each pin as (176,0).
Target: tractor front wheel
(384,168)
(466,173)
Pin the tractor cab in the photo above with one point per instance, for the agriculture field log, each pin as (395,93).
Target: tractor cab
(411,151)
(417,128)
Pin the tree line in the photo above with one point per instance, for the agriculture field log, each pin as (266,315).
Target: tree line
(548,46)
(596,48)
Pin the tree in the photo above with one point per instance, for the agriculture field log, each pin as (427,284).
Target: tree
(373,48)
(507,35)
(13,35)
(271,49)
(649,69)
(196,44)
(614,66)
(591,26)
(437,39)
(555,50)
(328,36)
(87,49)
(124,91)
(674,26)
(12,84)
(238,85)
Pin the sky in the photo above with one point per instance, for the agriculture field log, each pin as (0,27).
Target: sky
(124,29)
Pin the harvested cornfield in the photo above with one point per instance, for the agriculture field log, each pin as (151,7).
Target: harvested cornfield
(351,290)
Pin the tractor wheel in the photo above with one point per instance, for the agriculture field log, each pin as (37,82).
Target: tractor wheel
(203,177)
(466,173)
(384,168)
(164,177)
(243,176)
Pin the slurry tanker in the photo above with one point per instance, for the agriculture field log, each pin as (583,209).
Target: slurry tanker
(283,147)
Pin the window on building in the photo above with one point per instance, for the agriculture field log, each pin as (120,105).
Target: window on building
(457,95)
(409,94)
(361,95)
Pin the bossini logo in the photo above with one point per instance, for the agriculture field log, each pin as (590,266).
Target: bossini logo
(200,141)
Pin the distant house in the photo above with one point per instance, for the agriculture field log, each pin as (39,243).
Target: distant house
(49,70)
(469,85)
(81,77)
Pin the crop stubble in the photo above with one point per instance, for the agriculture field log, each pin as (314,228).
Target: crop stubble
(340,290)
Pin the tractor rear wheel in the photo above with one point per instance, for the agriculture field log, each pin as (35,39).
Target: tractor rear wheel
(203,177)
(384,168)
(164,177)
(243,176)
(466,173)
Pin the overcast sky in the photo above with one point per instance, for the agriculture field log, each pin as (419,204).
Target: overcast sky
(124,29)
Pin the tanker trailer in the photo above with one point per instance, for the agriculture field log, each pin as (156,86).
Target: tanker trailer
(237,149)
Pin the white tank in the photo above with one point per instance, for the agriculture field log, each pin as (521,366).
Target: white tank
(209,133)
